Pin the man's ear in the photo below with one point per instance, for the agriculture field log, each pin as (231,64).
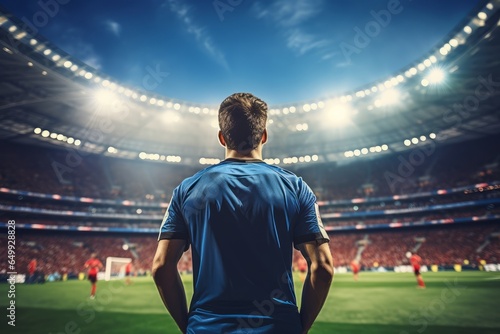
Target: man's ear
(222,141)
(264,137)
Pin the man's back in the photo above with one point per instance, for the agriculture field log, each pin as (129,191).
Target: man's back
(242,218)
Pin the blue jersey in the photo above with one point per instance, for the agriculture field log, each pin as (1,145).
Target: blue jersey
(242,219)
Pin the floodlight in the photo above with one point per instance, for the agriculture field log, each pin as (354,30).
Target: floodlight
(104,97)
(390,96)
(436,76)
(339,114)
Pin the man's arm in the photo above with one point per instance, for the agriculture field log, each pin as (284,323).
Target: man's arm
(317,283)
(168,280)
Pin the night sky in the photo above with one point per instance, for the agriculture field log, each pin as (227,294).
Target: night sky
(280,50)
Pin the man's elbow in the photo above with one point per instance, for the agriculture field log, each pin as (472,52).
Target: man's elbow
(324,271)
(157,269)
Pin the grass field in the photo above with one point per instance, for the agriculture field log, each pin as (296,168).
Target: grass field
(467,302)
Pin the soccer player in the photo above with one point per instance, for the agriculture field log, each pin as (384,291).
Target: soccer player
(128,272)
(93,265)
(302,268)
(355,266)
(32,271)
(415,261)
(241,218)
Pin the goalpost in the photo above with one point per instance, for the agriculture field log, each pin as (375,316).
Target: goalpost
(115,267)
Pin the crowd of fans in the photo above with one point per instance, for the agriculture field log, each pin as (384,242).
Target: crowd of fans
(66,254)
(95,176)
(74,173)
(446,167)
(439,246)
(61,254)
(447,216)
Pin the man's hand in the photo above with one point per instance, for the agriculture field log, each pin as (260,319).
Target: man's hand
(168,280)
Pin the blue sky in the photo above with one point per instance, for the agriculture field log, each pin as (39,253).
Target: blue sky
(280,50)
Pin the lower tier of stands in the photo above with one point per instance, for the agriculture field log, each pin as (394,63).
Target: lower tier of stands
(443,246)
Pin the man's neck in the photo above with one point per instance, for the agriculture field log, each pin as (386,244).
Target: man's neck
(252,155)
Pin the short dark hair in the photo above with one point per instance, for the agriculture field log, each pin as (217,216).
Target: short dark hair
(242,121)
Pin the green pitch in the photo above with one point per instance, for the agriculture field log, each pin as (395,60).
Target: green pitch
(467,302)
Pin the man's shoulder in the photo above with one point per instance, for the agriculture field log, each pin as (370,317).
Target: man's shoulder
(221,171)
(193,178)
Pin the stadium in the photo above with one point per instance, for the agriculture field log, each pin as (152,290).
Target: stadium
(406,163)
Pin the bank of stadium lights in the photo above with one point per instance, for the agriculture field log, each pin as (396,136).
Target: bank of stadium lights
(366,151)
(20,35)
(416,140)
(309,106)
(104,97)
(302,127)
(302,159)
(435,76)
(387,98)
(288,110)
(57,136)
(272,161)
(70,65)
(159,157)
(209,161)
(338,114)
(391,82)
(113,150)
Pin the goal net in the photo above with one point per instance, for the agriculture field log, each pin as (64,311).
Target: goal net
(115,267)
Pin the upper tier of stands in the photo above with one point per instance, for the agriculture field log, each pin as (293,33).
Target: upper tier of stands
(59,172)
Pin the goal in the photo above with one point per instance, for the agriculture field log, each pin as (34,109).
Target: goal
(115,267)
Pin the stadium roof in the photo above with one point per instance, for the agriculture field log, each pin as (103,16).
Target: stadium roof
(49,97)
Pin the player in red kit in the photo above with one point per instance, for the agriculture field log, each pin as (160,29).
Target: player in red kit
(93,264)
(415,261)
(31,271)
(128,272)
(355,266)
(302,268)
